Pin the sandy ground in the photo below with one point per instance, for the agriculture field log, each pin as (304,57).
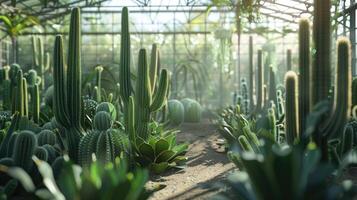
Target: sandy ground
(204,167)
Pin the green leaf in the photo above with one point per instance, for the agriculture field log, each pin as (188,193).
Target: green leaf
(147,150)
(159,168)
(160,146)
(165,156)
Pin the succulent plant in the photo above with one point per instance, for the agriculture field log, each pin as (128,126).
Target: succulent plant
(41,61)
(176,112)
(291,107)
(46,137)
(354,91)
(107,107)
(288,60)
(193,110)
(104,141)
(272,85)
(99,70)
(24,149)
(260,83)
(67,96)
(251,74)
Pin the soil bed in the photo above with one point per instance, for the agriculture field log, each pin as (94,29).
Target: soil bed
(204,166)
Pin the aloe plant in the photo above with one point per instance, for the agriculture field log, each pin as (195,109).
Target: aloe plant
(67,95)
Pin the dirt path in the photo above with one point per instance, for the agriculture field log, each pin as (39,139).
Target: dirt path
(204,166)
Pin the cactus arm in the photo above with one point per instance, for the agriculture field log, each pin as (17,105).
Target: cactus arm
(131,119)
(125,51)
(74,70)
(60,108)
(35,52)
(291,107)
(321,71)
(341,108)
(160,97)
(25,97)
(304,69)
(36,104)
(153,67)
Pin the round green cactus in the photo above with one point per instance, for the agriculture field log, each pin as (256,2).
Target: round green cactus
(109,108)
(176,112)
(41,153)
(193,111)
(24,149)
(46,137)
(106,145)
(102,121)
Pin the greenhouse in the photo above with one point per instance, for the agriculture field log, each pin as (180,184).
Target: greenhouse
(178,99)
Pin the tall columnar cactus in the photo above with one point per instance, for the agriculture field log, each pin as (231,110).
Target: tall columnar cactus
(41,61)
(146,101)
(288,60)
(272,85)
(125,58)
(19,102)
(99,70)
(304,69)
(260,82)
(67,95)
(251,73)
(291,107)
(153,66)
(341,108)
(35,103)
(24,149)
(6,87)
(321,70)
(354,91)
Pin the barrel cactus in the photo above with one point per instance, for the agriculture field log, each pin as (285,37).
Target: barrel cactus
(176,112)
(24,149)
(109,108)
(46,137)
(193,110)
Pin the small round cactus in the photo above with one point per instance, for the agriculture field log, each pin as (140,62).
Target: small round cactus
(193,111)
(176,112)
(24,149)
(102,121)
(109,108)
(46,137)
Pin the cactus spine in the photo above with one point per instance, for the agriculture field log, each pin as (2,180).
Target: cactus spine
(67,96)
(304,69)
(291,107)
(321,71)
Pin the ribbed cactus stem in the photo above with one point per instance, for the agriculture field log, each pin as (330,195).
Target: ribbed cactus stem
(321,70)
(99,70)
(125,56)
(291,107)
(251,73)
(341,108)
(35,61)
(272,85)
(153,66)
(131,119)
(24,148)
(288,60)
(244,143)
(354,91)
(19,95)
(35,100)
(304,70)
(25,97)
(260,82)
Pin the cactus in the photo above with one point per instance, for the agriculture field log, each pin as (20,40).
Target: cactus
(24,149)
(193,110)
(245,145)
(99,70)
(288,60)
(341,108)
(153,67)
(125,58)
(35,102)
(10,147)
(260,82)
(107,107)
(146,101)
(41,61)
(67,96)
(272,85)
(354,91)
(321,70)
(102,121)
(304,70)
(347,140)
(291,107)
(176,112)
(20,100)
(251,73)
(106,145)
(41,153)
(46,137)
